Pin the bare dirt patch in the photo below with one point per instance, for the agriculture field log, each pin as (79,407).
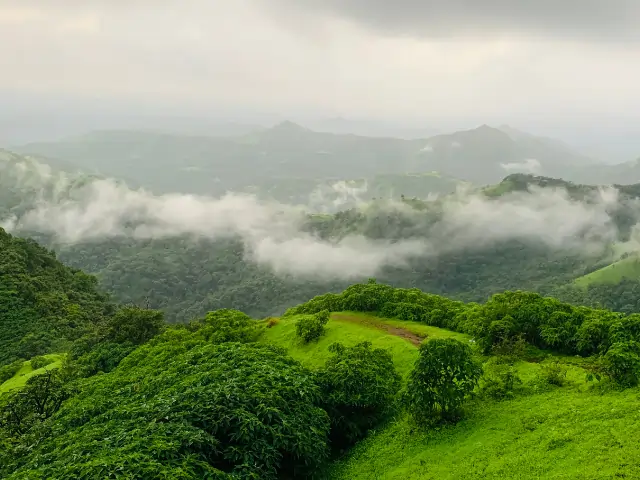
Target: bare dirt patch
(411,337)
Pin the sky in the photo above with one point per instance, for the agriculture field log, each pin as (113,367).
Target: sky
(439,61)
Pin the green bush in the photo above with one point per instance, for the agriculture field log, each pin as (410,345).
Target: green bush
(40,362)
(103,358)
(622,363)
(500,380)
(359,385)
(311,327)
(8,371)
(39,399)
(444,374)
(182,408)
(554,374)
(135,325)
(226,325)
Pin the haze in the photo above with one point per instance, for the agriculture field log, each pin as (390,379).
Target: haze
(570,71)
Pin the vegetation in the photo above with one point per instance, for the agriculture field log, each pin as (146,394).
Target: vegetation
(44,305)
(311,327)
(444,374)
(359,385)
(369,373)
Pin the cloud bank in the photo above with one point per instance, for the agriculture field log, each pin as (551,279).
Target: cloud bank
(274,234)
(586,19)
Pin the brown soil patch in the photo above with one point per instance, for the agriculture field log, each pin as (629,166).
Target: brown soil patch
(414,338)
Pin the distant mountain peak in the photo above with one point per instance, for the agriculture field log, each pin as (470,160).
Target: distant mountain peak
(288,125)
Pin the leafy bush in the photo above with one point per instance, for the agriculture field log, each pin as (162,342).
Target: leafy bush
(8,371)
(103,358)
(443,375)
(135,325)
(311,327)
(622,363)
(40,362)
(38,400)
(500,380)
(359,385)
(226,325)
(182,408)
(554,374)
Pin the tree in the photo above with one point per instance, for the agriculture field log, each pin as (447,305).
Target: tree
(622,363)
(135,325)
(311,327)
(443,375)
(184,408)
(359,385)
(40,398)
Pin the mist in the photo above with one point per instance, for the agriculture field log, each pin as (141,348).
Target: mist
(81,209)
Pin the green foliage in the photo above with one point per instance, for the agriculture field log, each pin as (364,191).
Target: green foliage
(103,358)
(311,327)
(359,385)
(500,380)
(178,407)
(43,304)
(444,374)
(554,374)
(40,362)
(226,325)
(10,370)
(38,400)
(135,325)
(622,363)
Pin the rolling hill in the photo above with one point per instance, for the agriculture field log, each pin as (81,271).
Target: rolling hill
(200,164)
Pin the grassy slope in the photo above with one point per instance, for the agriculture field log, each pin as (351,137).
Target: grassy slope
(611,274)
(562,434)
(26,372)
(349,329)
(570,432)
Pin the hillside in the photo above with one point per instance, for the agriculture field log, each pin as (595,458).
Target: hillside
(44,305)
(212,165)
(553,393)
(625,269)
(187,275)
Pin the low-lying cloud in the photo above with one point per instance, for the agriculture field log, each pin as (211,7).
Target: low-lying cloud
(274,235)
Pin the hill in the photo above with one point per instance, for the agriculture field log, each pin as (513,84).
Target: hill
(227,397)
(44,305)
(212,165)
(626,269)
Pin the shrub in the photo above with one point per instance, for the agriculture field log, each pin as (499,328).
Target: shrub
(359,385)
(38,400)
(622,363)
(8,371)
(226,325)
(188,410)
(444,374)
(272,322)
(500,380)
(135,325)
(510,349)
(554,374)
(40,362)
(103,358)
(311,327)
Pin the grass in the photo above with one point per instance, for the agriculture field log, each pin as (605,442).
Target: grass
(576,431)
(561,434)
(350,328)
(26,372)
(628,268)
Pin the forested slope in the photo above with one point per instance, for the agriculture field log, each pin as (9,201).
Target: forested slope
(43,304)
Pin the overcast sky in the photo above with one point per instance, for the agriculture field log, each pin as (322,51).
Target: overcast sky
(380,58)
